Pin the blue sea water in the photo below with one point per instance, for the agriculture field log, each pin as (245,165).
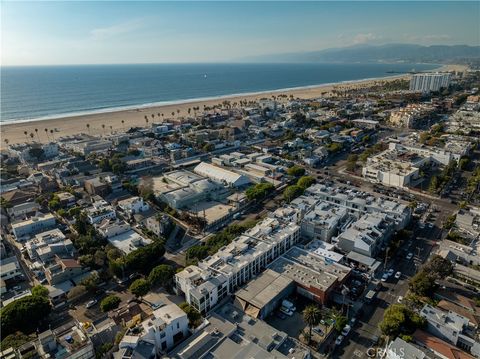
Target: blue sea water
(43,92)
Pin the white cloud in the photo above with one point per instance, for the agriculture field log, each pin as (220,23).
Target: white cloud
(362,38)
(115,30)
(428,39)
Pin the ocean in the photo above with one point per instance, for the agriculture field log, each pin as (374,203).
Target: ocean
(44,92)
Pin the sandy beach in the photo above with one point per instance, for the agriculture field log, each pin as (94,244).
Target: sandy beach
(108,122)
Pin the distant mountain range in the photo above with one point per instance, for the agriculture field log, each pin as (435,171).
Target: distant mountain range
(389,53)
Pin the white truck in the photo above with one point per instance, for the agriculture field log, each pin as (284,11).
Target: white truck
(288,305)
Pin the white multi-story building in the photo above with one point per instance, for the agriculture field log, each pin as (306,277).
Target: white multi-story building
(22,210)
(427,82)
(323,221)
(157,334)
(233,265)
(99,211)
(366,235)
(33,225)
(451,327)
(133,205)
(44,246)
(26,151)
(221,175)
(10,268)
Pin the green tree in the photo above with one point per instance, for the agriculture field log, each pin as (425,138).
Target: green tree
(296,171)
(143,259)
(422,283)
(139,287)
(305,182)
(161,275)
(110,302)
(312,316)
(292,192)
(40,290)
(433,185)
(259,191)
(439,267)
(393,319)
(24,314)
(15,340)
(194,317)
(340,322)
(196,253)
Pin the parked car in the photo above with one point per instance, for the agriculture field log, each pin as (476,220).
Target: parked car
(409,256)
(398,275)
(346,330)
(91,304)
(17,288)
(390,272)
(400,299)
(318,331)
(384,277)
(339,340)
(286,311)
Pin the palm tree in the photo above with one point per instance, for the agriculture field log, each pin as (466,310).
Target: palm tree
(173,113)
(53,136)
(153,115)
(6,141)
(46,133)
(103,126)
(111,128)
(311,316)
(178,111)
(32,136)
(36,131)
(88,127)
(146,120)
(123,123)
(26,135)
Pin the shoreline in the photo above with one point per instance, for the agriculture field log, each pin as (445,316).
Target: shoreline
(146,106)
(112,120)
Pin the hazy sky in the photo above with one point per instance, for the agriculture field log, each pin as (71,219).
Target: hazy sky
(144,32)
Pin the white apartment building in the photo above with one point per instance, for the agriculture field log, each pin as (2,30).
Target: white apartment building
(426,82)
(10,268)
(99,211)
(235,264)
(36,224)
(451,327)
(24,151)
(23,209)
(323,221)
(133,205)
(366,235)
(44,246)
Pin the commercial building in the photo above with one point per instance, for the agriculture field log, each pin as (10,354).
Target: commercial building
(33,225)
(323,221)
(180,189)
(426,82)
(221,175)
(315,277)
(263,294)
(410,116)
(229,333)
(22,210)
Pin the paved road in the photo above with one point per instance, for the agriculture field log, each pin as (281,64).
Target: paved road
(362,337)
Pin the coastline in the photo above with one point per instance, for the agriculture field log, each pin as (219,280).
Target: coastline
(69,124)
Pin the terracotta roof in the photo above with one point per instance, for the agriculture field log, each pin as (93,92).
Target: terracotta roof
(474,318)
(459,299)
(70,263)
(439,346)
